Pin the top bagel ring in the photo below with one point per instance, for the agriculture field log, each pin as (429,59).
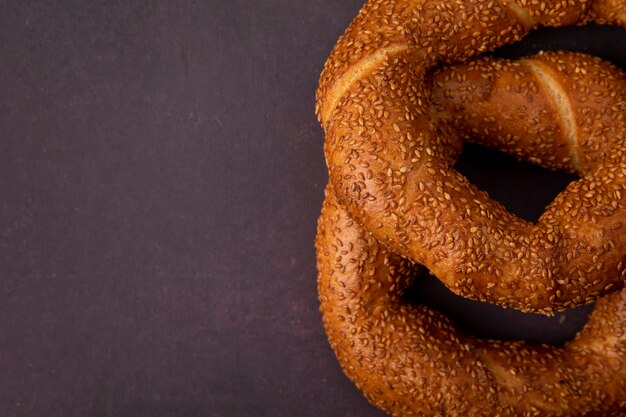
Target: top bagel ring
(393,172)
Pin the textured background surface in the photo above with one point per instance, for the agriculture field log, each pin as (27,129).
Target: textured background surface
(161,172)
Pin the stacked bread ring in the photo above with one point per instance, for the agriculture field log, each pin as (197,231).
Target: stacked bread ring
(394,128)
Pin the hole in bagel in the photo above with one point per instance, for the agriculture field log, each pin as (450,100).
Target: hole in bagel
(525,190)
(493,322)
(592,39)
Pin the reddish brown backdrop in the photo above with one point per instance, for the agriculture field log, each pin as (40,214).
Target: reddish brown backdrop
(161,172)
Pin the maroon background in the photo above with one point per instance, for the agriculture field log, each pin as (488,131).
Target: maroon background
(161,172)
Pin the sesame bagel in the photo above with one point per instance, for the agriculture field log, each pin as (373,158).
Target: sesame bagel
(411,361)
(391,142)
(560,110)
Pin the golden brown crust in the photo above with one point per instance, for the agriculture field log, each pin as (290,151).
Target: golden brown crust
(561,110)
(391,168)
(611,12)
(392,135)
(576,123)
(409,360)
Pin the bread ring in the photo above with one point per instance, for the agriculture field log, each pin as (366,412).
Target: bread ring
(512,105)
(410,361)
(560,110)
(392,170)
